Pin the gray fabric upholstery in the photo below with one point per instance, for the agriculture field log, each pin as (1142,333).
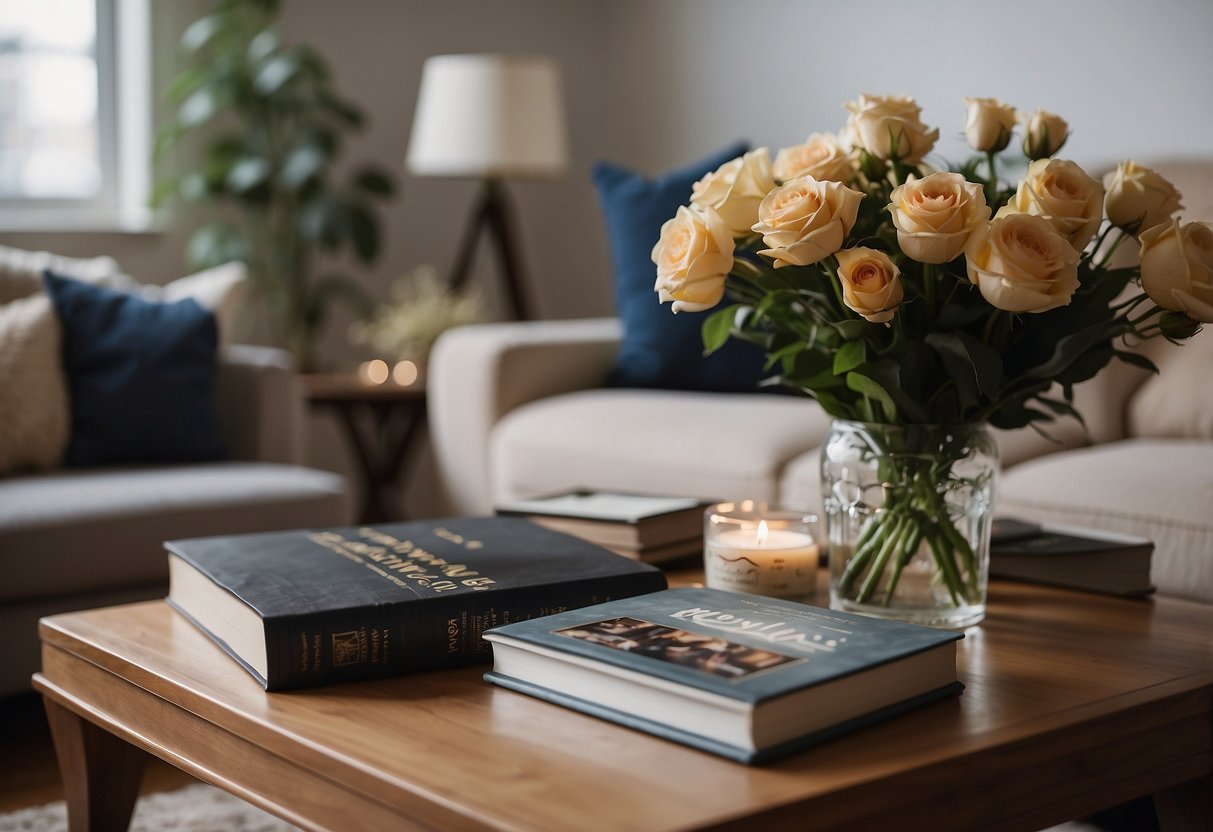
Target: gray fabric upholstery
(71,532)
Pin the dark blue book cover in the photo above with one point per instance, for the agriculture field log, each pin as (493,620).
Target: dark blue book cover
(353,603)
(749,650)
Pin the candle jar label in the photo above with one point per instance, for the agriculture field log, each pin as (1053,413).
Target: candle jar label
(753,548)
(792,578)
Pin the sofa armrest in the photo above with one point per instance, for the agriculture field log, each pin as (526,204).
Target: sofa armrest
(479,373)
(259,406)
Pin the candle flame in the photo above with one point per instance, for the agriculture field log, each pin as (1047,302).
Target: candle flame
(762,533)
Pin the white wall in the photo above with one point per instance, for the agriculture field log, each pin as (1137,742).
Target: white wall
(1132,78)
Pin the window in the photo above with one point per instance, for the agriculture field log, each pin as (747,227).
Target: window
(74,114)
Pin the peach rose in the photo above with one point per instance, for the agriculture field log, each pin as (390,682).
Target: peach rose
(1043,133)
(1022,264)
(1062,193)
(988,124)
(821,157)
(1177,267)
(871,283)
(889,127)
(935,215)
(694,256)
(735,189)
(1138,198)
(806,220)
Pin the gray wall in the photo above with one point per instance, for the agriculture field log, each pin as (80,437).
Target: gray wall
(654,83)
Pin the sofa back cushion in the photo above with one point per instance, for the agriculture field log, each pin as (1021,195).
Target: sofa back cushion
(660,349)
(34,416)
(1178,402)
(141,376)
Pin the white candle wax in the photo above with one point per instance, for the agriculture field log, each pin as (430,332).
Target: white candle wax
(781,564)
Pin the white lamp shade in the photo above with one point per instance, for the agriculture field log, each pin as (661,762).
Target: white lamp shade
(488,116)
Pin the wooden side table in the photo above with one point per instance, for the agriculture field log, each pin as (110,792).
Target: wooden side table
(382,448)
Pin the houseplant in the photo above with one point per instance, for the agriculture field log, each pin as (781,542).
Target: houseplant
(269,128)
(919,307)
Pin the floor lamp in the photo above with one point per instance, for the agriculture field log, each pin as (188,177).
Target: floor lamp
(493,118)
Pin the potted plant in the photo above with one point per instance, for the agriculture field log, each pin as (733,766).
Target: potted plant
(270,128)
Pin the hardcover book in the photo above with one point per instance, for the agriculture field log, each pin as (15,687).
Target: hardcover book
(624,522)
(743,676)
(1070,556)
(312,607)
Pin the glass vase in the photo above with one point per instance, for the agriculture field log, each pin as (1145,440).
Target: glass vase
(907,520)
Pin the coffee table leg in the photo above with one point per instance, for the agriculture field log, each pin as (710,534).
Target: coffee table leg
(101,772)
(1187,806)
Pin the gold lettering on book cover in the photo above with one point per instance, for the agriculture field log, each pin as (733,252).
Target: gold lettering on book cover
(405,563)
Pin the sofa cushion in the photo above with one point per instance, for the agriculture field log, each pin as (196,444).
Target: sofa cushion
(34,416)
(661,349)
(1178,402)
(96,529)
(663,442)
(21,271)
(1154,488)
(141,376)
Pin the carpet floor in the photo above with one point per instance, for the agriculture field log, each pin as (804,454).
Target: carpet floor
(197,808)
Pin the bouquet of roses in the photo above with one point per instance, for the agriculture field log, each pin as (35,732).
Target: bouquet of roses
(896,294)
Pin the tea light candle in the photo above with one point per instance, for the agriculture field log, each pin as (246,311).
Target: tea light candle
(762,552)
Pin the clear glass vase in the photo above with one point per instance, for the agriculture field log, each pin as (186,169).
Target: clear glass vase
(907,520)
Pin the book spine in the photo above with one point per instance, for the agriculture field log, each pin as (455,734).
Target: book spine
(421,634)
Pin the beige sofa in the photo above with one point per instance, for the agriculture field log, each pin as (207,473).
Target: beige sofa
(519,409)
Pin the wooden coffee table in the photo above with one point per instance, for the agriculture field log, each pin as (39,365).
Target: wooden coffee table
(1073,703)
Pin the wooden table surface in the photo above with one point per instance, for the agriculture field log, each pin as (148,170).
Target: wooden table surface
(1074,702)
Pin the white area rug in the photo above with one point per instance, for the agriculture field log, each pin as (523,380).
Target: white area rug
(199,808)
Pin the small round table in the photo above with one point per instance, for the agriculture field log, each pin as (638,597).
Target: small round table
(397,417)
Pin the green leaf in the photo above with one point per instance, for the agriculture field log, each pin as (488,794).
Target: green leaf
(199,107)
(302,164)
(1068,350)
(870,389)
(275,73)
(214,245)
(335,287)
(322,221)
(716,328)
(263,45)
(373,181)
(344,111)
(248,173)
(849,356)
(851,330)
(365,233)
(1136,359)
(199,33)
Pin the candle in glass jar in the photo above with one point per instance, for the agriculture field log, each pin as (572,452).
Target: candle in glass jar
(753,558)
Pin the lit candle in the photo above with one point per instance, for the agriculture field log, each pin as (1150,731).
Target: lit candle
(741,555)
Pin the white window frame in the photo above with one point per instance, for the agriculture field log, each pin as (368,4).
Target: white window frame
(124,102)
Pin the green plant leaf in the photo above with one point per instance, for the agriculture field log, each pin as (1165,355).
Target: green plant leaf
(1068,350)
(365,233)
(276,73)
(851,330)
(248,173)
(870,389)
(716,328)
(264,44)
(1136,359)
(199,107)
(373,181)
(199,33)
(214,245)
(322,221)
(302,164)
(849,356)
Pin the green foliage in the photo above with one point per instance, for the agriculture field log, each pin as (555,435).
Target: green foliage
(270,129)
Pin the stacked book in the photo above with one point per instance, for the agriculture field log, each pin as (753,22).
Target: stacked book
(646,528)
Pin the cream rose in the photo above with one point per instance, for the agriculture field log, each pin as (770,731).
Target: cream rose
(889,127)
(1043,133)
(871,283)
(821,156)
(935,215)
(806,220)
(735,189)
(988,124)
(1022,264)
(694,256)
(1062,193)
(1177,267)
(1137,198)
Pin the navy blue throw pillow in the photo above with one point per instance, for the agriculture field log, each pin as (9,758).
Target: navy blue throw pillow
(660,349)
(141,376)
